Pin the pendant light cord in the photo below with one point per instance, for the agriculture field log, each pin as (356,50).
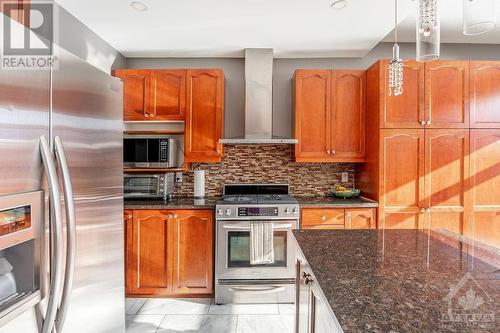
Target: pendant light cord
(396,21)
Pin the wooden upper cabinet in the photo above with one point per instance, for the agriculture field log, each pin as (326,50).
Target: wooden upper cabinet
(136,93)
(406,110)
(204,115)
(148,267)
(485,94)
(348,127)
(168,95)
(446,199)
(447,94)
(360,218)
(330,119)
(313,89)
(401,178)
(193,252)
(485,186)
(17,10)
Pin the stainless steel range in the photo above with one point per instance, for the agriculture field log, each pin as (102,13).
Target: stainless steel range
(237,279)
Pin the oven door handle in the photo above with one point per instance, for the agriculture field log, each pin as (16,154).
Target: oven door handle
(257,289)
(276,226)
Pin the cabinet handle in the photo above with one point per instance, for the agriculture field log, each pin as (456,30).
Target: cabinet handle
(323,218)
(129,216)
(172,216)
(328,152)
(428,122)
(422,210)
(428,210)
(333,151)
(422,122)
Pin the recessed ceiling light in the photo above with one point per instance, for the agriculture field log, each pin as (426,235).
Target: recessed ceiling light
(338,4)
(139,5)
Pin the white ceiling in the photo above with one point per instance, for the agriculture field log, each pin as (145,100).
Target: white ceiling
(223,28)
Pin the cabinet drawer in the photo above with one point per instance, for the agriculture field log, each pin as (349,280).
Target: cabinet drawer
(322,217)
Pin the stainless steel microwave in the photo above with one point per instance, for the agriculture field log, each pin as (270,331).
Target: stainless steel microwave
(149,151)
(153,185)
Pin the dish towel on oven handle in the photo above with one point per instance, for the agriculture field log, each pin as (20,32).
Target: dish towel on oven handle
(261,243)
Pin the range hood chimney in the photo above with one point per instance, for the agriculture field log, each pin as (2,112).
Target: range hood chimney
(259,100)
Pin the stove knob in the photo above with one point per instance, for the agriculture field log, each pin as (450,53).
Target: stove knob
(287,211)
(228,212)
(220,212)
(295,211)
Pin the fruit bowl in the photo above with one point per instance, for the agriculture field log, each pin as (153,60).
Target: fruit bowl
(345,193)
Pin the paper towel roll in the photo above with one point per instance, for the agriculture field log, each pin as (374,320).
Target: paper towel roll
(199,183)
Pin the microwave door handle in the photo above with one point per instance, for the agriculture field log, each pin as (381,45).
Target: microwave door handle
(56,277)
(70,234)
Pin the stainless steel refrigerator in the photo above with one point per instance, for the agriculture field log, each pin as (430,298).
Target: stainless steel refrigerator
(61,136)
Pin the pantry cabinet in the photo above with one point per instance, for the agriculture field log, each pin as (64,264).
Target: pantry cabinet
(485,94)
(204,115)
(329,115)
(447,94)
(484,224)
(169,253)
(338,218)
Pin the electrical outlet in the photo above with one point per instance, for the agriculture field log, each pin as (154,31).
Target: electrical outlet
(178,177)
(345,177)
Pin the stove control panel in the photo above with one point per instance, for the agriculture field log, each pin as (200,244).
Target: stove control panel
(257,211)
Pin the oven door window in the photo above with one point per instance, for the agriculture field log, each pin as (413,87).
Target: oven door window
(239,249)
(146,186)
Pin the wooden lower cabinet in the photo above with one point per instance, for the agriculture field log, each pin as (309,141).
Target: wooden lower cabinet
(338,218)
(169,253)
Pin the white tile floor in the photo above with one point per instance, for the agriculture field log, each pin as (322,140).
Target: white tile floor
(191,315)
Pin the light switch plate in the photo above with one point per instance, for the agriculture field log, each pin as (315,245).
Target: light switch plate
(345,177)
(178,177)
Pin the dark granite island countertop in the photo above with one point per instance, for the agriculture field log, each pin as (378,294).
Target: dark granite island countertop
(174,203)
(405,280)
(332,202)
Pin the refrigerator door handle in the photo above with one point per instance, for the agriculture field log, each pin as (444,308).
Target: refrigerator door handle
(56,277)
(70,234)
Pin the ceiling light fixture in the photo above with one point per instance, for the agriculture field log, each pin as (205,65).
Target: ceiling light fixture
(479,16)
(428,30)
(338,4)
(396,64)
(139,5)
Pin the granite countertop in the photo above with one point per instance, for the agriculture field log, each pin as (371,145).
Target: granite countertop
(174,203)
(358,202)
(401,280)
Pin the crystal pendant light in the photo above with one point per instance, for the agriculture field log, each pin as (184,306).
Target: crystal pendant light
(396,65)
(428,30)
(479,16)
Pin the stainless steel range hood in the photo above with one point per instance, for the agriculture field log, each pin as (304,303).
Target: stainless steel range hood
(259,100)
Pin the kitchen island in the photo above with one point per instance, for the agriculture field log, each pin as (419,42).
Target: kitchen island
(395,281)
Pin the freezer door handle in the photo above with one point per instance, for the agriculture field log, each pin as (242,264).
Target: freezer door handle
(70,233)
(56,277)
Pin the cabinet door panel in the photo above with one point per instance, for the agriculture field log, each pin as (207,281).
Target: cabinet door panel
(402,221)
(348,125)
(360,218)
(447,94)
(148,241)
(485,94)
(312,114)
(402,176)
(193,252)
(135,93)
(485,186)
(204,116)
(447,173)
(168,94)
(406,110)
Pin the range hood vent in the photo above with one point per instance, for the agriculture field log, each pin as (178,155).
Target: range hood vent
(259,100)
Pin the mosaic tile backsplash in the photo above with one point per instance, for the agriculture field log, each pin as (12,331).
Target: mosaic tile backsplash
(267,164)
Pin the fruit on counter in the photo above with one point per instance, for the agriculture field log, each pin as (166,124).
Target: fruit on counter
(340,188)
